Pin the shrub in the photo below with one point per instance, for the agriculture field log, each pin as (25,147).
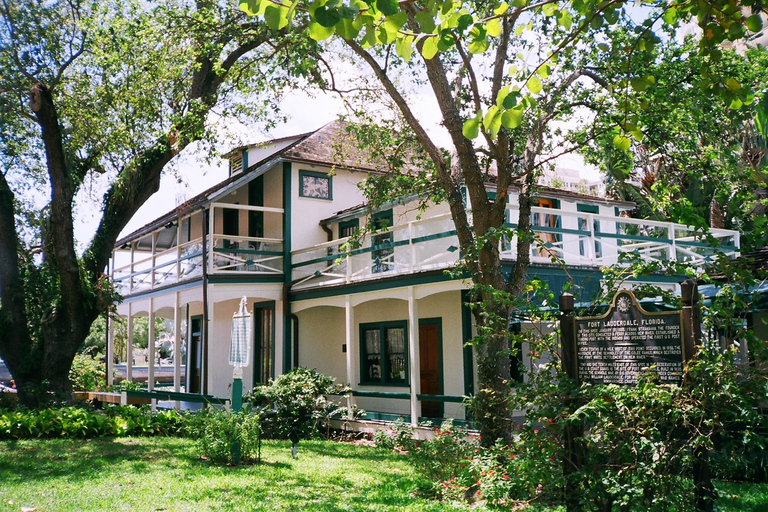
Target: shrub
(297,401)
(396,436)
(88,373)
(217,430)
(80,422)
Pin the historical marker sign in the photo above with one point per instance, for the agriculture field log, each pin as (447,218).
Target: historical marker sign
(618,346)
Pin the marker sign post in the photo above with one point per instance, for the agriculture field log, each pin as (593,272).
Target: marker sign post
(626,341)
(617,347)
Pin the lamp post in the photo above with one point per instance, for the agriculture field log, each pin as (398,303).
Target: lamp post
(239,353)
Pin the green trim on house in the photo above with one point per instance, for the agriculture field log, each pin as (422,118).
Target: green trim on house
(287,274)
(587,208)
(245,159)
(381,394)
(384,283)
(314,174)
(218,279)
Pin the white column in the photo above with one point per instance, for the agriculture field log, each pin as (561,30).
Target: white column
(413,356)
(151,346)
(129,345)
(110,350)
(349,315)
(176,343)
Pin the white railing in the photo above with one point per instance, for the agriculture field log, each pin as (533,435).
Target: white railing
(575,238)
(248,255)
(170,266)
(599,240)
(421,245)
(226,254)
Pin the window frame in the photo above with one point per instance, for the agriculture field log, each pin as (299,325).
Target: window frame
(381,222)
(595,210)
(384,379)
(346,224)
(303,173)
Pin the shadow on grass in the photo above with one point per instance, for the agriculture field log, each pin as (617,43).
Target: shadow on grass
(28,461)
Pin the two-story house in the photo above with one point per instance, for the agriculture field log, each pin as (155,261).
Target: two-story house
(378,312)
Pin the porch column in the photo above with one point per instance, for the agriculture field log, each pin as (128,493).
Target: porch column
(351,346)
(129,345)
(151,346)
(110,350)
(176,343)
(413,356)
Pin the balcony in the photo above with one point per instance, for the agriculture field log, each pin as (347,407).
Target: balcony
(161,258)
(575,238)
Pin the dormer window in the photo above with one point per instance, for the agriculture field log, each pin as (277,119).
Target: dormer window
(236,163)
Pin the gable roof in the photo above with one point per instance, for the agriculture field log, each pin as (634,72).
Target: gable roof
(328,145)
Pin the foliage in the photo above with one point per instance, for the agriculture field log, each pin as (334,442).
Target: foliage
(117,90)
(88,373)
(218,430)
(693,158)
(395,436)
(299,402)
(82,422)
(97,337)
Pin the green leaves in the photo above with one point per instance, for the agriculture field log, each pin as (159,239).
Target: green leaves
(429,50)
(404,47)
(492,121)
(534,84)
(471,127)
(755,23)
(513,117)
(387,7)
(622,142)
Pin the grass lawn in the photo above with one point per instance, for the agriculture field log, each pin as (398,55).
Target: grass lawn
(166,474)
(153,474)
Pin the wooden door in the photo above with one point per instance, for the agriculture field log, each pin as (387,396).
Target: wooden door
(429,365)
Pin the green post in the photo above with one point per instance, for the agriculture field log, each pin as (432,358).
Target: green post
(237,406)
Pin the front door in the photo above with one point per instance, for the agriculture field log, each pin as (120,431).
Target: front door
(429,367)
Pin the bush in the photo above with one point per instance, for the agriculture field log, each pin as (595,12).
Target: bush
(397,436)
(217,430)
(80,422)
(297,402)
(88,373)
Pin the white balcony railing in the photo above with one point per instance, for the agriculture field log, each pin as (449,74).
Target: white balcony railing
(575,238)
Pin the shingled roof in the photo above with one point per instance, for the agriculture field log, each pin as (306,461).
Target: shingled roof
(330,145)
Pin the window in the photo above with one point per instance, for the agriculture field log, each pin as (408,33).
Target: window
(548,235)
(383,353)
(383,251)
(348,227)
(584,226)
(317,185)
(236,163)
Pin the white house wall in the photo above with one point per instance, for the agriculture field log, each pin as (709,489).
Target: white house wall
(322,334)
(307,211)
(258,152)
(322,338)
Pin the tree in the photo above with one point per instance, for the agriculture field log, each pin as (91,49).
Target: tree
(502,75)
(115,91)
(699,160)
